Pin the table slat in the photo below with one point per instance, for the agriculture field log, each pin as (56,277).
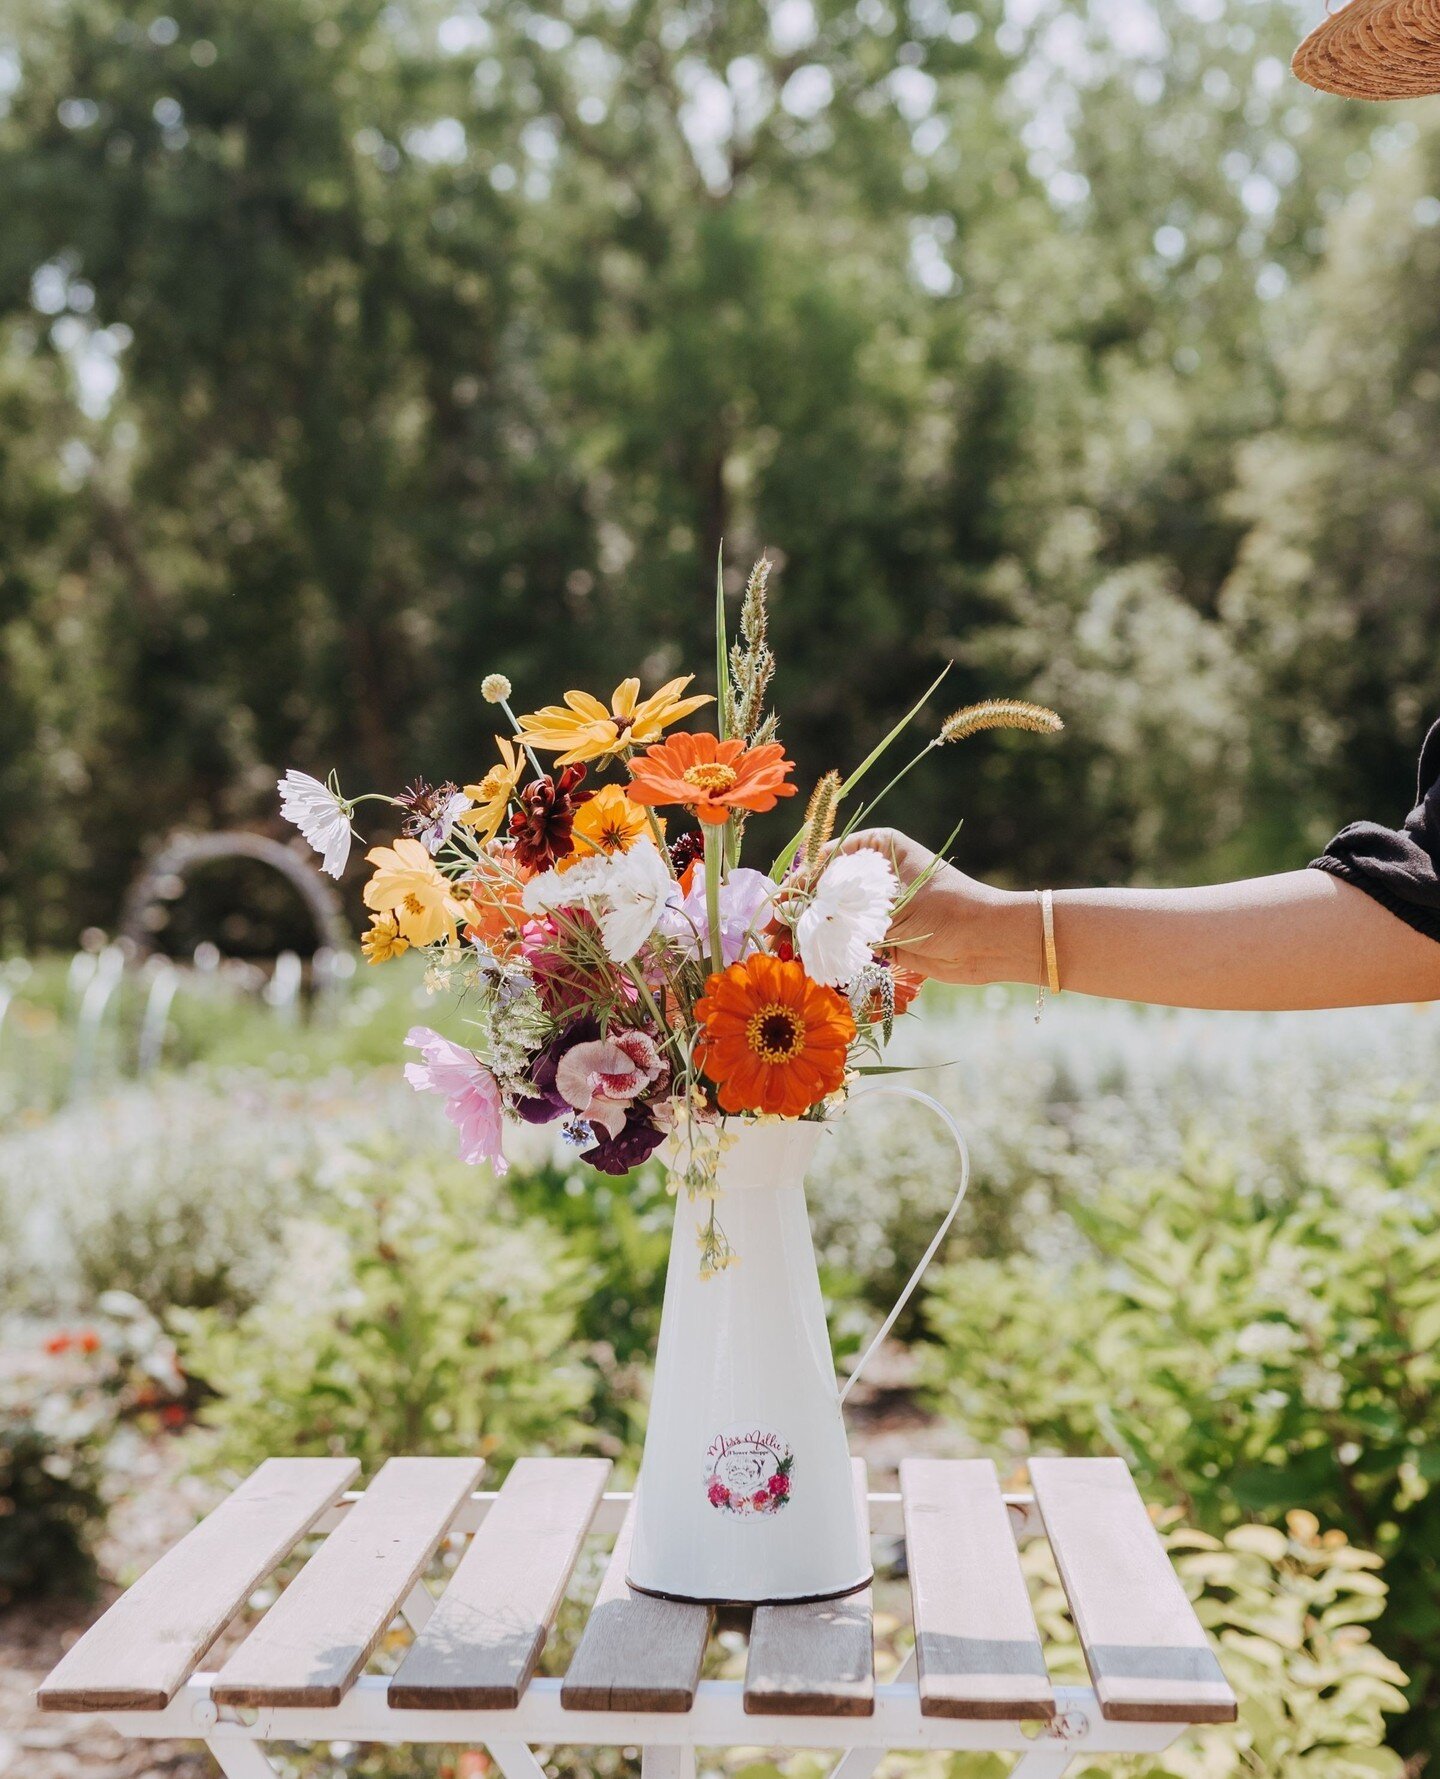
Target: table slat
(977,1647)
(324,1628)
(637,1653)
(485,1636)
(817,1659)
(139,1654)
(1150,1661)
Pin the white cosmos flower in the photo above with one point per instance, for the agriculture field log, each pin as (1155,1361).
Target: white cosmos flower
(319,815)
(847,917)
(627,893)
(637,890)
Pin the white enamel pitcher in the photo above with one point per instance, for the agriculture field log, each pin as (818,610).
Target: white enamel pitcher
(746,1493)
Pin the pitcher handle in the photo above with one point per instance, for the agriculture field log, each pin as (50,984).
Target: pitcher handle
(912,1093)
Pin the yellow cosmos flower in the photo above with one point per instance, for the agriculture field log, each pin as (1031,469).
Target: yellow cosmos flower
(492,795)
(582,728)
(384,940)
(408,885)
(608,823)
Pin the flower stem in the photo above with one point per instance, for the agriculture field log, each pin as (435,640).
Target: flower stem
(714,858)
(654,821)
(515,725)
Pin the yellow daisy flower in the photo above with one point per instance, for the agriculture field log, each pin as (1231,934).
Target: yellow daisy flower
(408,885)
(582,728)
(492,795)
(384,940)
(608,823)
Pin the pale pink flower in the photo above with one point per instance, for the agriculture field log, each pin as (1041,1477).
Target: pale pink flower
(472,1098)
(603,1078)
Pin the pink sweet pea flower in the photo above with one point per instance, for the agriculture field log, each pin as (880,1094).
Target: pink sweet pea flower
(472,1098)
(602,1079)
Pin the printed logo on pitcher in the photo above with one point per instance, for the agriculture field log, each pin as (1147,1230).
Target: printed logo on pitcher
(747,1470)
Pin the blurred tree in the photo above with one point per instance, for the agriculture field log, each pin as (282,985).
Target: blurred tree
(1336,596)
(408,341)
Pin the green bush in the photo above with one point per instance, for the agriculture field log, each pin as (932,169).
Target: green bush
(413,1319)
(1288,1610)
(52,1445)
(68,1399)
(178,1191)
(1246,1357)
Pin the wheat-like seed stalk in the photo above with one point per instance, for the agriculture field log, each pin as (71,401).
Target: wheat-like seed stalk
(998,713)
(820,817)
(751,661)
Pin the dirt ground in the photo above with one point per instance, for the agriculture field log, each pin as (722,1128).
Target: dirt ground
(160,1507)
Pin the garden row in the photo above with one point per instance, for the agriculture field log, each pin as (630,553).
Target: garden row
(1210,1245)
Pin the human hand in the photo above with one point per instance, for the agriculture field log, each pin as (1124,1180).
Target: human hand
(953,928)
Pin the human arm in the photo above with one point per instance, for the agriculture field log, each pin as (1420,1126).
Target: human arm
(1299,939)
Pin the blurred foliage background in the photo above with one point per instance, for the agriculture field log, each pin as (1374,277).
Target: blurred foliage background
(349,350)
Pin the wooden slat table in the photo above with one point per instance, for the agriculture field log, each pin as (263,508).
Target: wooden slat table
(469,1675)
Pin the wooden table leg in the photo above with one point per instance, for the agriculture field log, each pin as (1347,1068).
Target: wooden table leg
(667,1762)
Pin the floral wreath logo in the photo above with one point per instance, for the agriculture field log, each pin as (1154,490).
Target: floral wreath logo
(748,1470)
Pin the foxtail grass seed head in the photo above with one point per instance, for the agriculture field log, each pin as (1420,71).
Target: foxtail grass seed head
(495,688)
(752,664)
(998,713)
(820,817)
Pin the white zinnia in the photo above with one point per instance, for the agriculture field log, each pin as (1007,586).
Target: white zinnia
(847,917)
(319,815)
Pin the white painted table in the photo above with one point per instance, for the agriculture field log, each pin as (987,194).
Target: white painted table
(977,1678)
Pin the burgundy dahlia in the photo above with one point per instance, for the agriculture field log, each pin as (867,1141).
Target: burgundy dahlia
(542,828)
(685,849)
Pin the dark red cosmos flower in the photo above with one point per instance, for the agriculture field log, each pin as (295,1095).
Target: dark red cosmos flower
(542,827)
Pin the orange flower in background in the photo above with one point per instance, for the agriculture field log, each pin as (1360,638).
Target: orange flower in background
(497,912)
(608,823)
(582,728)
(711,776)
(771,1039)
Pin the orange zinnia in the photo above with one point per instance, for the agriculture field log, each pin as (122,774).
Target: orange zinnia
(771,1039)
(711,776)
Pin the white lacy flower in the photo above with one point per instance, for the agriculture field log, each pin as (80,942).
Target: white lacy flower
(319,815)
(575,888)
(627,893)
(847,917)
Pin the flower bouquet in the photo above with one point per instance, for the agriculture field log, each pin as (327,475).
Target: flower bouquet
(625,975)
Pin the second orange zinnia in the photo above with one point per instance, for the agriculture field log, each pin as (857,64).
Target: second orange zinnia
(711,776)
(771,1039)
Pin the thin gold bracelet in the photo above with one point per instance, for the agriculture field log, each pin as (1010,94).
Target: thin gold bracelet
(1051,978)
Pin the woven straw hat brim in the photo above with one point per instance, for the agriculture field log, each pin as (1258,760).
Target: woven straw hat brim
(1374,49)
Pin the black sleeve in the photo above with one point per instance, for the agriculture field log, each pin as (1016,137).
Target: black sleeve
(1399,867)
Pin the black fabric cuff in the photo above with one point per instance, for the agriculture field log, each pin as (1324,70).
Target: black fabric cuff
(1423,920)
